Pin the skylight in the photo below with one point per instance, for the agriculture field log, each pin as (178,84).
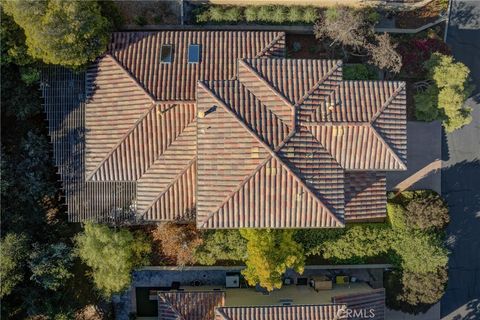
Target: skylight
(194,53)
(166,53)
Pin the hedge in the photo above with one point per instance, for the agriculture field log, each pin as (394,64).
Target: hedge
(267,14)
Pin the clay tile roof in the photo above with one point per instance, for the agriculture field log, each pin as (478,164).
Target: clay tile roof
(245,138)
(139,53)
(191,305)
(297,312)
(370,304)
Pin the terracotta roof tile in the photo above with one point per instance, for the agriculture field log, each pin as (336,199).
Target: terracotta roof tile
(365,196)
(269,143)
(189,305)
(115,104)
(370,304)
(297,312)
(139,53)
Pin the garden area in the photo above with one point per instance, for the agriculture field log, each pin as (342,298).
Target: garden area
(411,240)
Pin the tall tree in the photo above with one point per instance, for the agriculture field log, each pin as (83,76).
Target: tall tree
(14,250)
(269,254)
(221,245)
(68,33)
(345,26)
(383,54)
(451,88)
(178,241)
(50,265)
(112,255)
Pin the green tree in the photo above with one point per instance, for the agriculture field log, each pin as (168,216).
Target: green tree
(426,212)
(68,33)
(396,215)
(359,242)
(269,254)
(448,92)
(50,265)
(14,250)
(112,255)
(420,252)
(426,105)
(423,288)
(221,245)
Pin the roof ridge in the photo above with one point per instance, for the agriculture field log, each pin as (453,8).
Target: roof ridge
(270,45)
(267,147)
(319,82)
(127,134)
(220,313)
(173,309)
(388,101)
(122,140)
(265,82)
(289,171)
(240,186)
(394,154)
(137,83)
(177,177)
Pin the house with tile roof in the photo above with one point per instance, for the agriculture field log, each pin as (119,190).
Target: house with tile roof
(221,124)
(214,305)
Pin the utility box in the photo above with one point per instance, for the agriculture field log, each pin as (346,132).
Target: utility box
(232,280)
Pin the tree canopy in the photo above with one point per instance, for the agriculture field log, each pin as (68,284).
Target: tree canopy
(50,265)
(383,53)
(178,241)
(269,254)
(444,99)
(68,33)
(112,255)
(14,250)
(221,245)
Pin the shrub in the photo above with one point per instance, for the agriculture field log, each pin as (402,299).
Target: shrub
(426,212)
(416,52)
(359,242)
(251,14)
(216,13)
(396,215)
(310,15)
(359,72)
(278,14)
(264,13)
(112,255)
(221,245)
(269,254)
(423,288)
(30,75)
(178,242)
(233,14)
(414,292)
(140,20)
(426,105)
(295,14)
(312,240)
(420,252)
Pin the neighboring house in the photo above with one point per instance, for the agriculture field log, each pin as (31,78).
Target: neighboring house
(213,305)
(220,123)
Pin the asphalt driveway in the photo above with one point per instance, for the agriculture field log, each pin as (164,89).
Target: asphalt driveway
(461,176)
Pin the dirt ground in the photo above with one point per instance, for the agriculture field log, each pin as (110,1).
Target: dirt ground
(153,12)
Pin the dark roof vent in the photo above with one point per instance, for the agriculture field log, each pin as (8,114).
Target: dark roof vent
(166,53)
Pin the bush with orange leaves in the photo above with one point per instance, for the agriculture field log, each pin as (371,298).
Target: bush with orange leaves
(178,242)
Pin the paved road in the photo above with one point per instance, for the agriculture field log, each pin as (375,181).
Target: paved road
(461,175)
